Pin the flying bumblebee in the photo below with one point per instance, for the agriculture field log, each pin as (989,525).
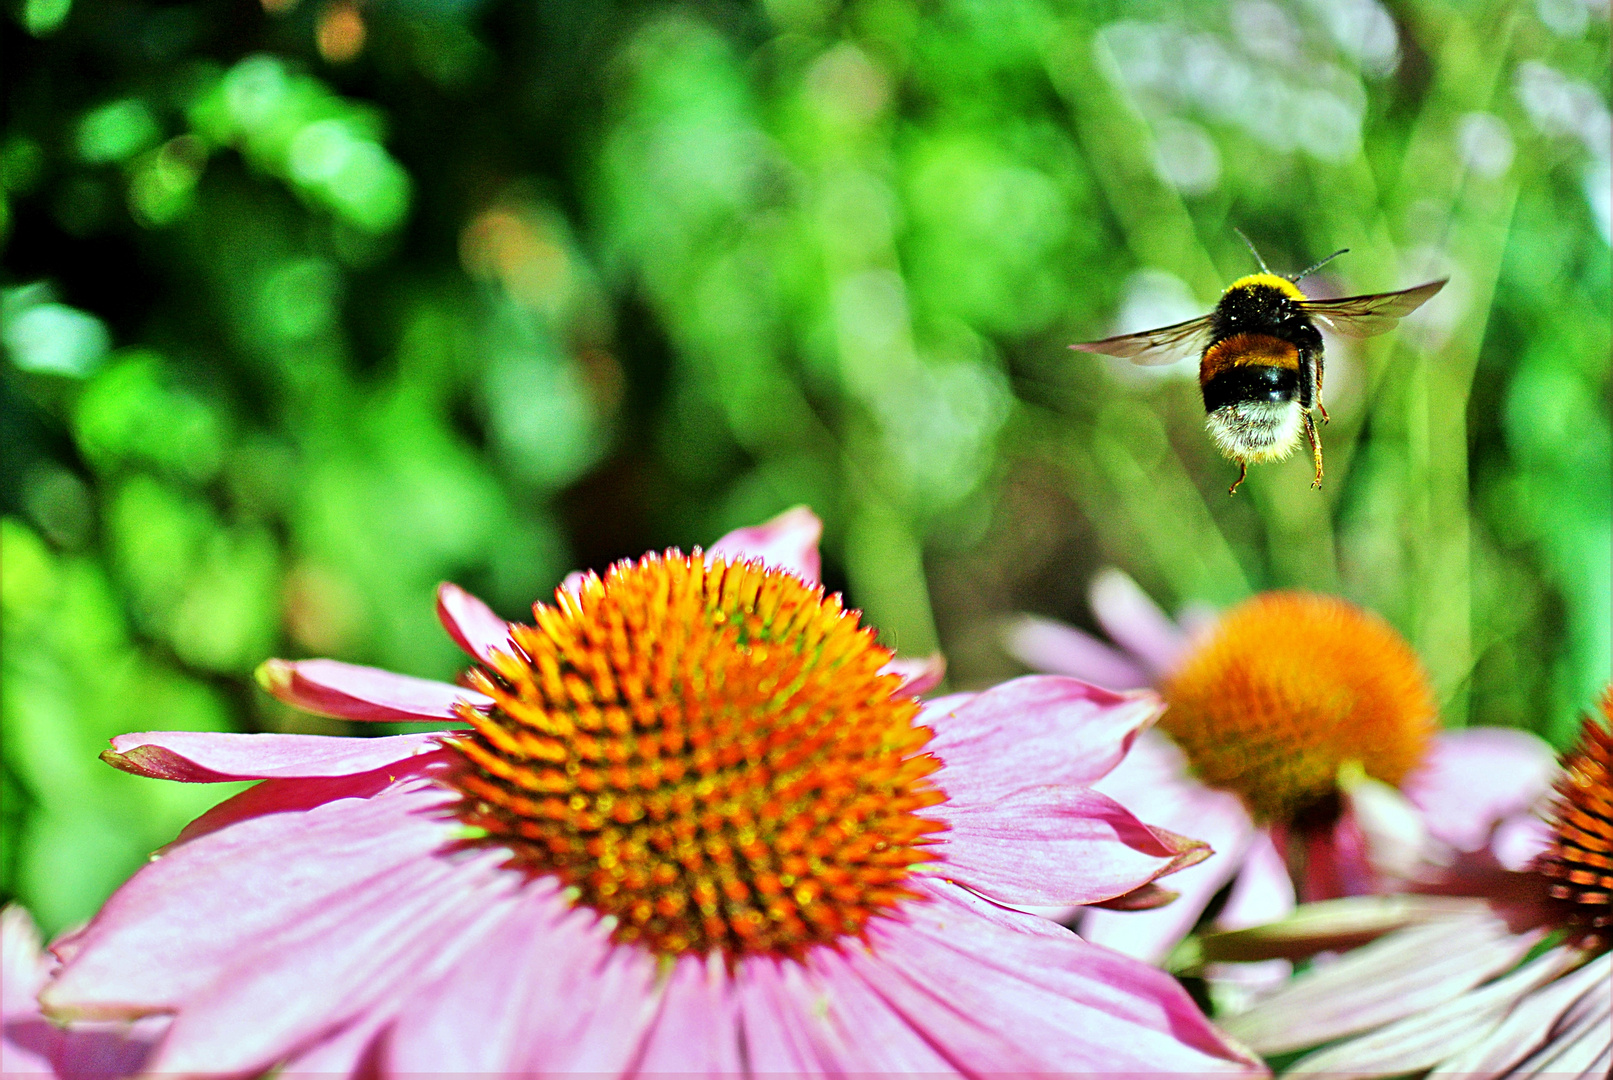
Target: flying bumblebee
(1260,369)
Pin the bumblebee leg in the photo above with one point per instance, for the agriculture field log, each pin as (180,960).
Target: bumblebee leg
(1319,404)
(1316,448)
(1243,471)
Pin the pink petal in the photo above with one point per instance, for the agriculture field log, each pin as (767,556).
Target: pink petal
(1130,618)
(184,920)
(1474,778)
(299,795)
(208,757)
(698,1032)
(542,991)
(784,1033)
(23,965)
(918,676)
(349,1051)
(786,542)
(1424,1039)
(1045,645)
(1538,1019)
(1152,783)
(1408,971)
(332,688)
(1519,839)
(471,623)
(1047,846)
(573,582)
(851,1028)
(1263,892)
(999,993)
(312,979)
(1035,730)
(33,1046)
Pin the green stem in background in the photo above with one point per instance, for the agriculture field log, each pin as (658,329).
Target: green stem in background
(885,565)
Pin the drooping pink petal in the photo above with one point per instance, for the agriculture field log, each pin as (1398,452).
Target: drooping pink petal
(1474,778)
(1263,892)
(30,1045)
(1152,783)
(1002,995)
(1056,846)
(207,757)
(541,992)
(1132,619)
(349,1051)
(302,794)
(788,542)
(784,1035)
(1039,729)
(698,1032)
(471,623)
(1423,1040)
(852,1029)
(308,980)
(352,692)
(1396,843)
(1519,839)
(237,889)
(23,965)
(1045,645)
(918,676)
(1533,1035)
(1427,964)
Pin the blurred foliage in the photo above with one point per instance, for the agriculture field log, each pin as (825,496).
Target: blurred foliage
(308,307)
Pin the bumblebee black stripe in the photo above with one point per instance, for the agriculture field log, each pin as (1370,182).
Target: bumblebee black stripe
(1250,383)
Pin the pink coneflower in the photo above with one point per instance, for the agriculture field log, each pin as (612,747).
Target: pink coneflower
(31,1045)
(1300,741)
(693,826)
(1518,984)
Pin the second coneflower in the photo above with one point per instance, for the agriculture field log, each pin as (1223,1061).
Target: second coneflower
(1513,980)
(697,825)
(1300,740)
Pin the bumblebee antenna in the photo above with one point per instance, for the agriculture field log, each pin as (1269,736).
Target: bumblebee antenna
(1250,244)
(1319,265)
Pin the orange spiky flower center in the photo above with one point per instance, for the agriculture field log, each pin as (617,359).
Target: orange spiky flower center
(705,753)
(1578,865)
(1289,687)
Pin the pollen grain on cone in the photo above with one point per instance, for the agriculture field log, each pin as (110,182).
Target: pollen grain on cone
(1579,863)
(1289,687)
(705,752)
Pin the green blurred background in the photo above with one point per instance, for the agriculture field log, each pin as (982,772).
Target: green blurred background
(311,304)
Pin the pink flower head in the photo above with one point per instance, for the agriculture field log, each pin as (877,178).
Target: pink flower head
(695,826)
(1300,743)
(1513,980)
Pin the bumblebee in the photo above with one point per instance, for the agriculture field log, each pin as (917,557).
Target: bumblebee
(1260,369)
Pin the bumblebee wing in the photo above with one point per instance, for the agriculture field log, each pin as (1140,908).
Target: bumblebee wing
(1150,347)
(1364,316)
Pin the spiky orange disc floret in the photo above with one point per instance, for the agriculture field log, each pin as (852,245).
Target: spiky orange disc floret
(705,753)
(1289,687)
(1579,862)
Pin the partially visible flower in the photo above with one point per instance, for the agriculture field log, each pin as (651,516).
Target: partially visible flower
(696,825)
(31,1045)
(1300,741)
(1517,983)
